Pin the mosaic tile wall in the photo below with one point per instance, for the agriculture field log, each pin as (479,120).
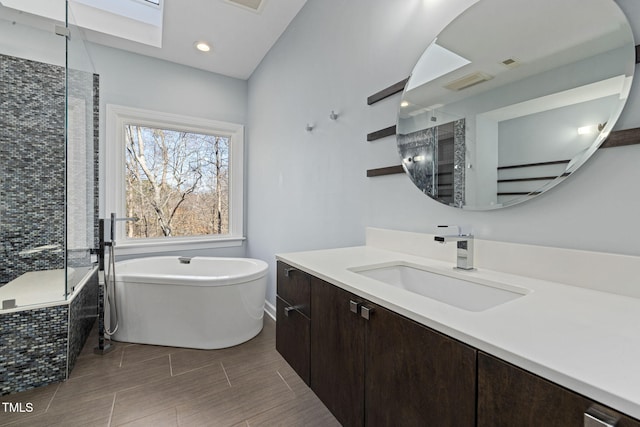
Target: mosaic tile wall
(31,166)
(96,158)
(39,346)
(460,162)
(83,312)
(34,348)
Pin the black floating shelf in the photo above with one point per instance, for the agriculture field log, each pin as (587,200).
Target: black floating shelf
(520,193)
(389,170)
(620,138)
(528,165)
(382,133)
(387,92)
(535,178)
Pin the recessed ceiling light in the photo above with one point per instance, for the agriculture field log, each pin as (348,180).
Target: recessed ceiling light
(587,130)
(202,46)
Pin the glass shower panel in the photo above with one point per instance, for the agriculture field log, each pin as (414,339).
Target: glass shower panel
(32,90)
(81,155)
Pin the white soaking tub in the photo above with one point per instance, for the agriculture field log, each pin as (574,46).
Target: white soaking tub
(199,302)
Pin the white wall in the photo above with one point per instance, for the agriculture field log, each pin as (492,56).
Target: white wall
(33,41)
(309,190)
(143,82)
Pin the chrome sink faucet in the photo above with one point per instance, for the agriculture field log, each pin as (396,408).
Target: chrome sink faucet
(464,242)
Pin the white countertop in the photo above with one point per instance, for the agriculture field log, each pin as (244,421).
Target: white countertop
(583,339)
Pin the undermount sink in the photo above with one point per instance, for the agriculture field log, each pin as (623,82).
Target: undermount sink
(471,295)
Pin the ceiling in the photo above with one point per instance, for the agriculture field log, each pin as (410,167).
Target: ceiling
(239,37)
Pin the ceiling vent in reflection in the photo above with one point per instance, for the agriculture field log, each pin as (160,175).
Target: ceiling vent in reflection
(468,81)
(253,5)
(511,63)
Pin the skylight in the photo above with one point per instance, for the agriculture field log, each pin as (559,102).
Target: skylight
(136,20)
(130,9)
(435,62)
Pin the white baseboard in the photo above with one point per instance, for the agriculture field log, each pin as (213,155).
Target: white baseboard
(270,310)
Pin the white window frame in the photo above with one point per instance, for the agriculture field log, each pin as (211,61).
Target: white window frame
(117,116)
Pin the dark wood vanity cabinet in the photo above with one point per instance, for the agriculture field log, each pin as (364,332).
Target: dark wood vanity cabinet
(337,353)
(373,367)
(293,324)
(510,396)
(386,370)
(416,376)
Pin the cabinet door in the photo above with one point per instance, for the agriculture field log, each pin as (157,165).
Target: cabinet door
(510,396)
(337,353)
(292,338)
(416,376)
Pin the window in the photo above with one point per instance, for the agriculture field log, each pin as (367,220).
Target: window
(176,183)
(180,176)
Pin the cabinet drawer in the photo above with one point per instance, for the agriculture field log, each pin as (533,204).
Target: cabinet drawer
(294,287)
(293,338)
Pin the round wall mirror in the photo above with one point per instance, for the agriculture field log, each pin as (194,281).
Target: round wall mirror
(512,97)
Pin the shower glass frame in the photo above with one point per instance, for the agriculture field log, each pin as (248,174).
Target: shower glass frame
(48,158)
(81,210)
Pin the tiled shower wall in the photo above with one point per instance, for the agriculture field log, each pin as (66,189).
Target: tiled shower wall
(40,346)
(32,166)
(83,311)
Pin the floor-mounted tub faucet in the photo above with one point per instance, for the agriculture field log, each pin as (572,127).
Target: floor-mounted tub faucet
(464,242)
(113,226)
(109,282)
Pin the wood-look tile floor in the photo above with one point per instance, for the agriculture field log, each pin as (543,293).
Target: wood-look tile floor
(145,385)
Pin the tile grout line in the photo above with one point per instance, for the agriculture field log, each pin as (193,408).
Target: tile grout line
(149,359)
(225,374)
(138,361)
(113,405)
(122,357)
(197,369)
(52,397)
(285,381)
(80,376)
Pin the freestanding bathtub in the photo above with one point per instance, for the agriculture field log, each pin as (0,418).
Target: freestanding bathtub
(199,302)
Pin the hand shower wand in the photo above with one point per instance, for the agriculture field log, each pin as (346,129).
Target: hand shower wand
(103,346)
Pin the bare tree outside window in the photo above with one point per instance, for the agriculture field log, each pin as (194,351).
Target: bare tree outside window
(177,183)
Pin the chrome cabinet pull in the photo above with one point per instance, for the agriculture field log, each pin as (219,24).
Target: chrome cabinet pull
(354,306)
(596,418)
(291,308)
(288,271)
(365,312)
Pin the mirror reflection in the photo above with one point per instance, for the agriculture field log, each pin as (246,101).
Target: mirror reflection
(512,97)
